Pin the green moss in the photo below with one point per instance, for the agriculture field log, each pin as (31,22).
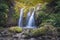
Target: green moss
(15,29)
(47,29)
(39,31)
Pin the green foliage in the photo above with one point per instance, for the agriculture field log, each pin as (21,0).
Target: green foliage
(57,13)
(39,31)
(43,30)
(15,29)
(54,19)
(3,13)
(3,7)
(48,16)
(33,2)
(57,6)
(57,20)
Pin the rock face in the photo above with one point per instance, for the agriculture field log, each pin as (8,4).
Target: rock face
(6,35)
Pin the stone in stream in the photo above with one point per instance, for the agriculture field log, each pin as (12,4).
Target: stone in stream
(33,39)
(24,36)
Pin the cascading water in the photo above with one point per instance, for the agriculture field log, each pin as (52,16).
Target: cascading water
(31,22)
(20,23)
(28,16)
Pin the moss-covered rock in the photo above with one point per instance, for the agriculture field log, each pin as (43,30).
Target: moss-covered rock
(39,31)
(15,29)
(45,30)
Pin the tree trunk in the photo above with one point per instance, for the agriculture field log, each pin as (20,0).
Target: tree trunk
(10,14)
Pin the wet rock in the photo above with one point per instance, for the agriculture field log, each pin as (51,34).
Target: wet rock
(39,38)
(32,39)
(25,37)
(15,36)
(0,35)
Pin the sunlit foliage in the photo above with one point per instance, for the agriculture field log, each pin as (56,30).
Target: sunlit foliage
(32,2)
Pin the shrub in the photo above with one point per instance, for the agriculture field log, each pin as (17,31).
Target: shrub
(47,29)
(39,31)
(50,27)
(15,29)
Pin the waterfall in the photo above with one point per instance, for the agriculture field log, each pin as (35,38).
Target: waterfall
(28,16)
(20,23)
(31,22)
